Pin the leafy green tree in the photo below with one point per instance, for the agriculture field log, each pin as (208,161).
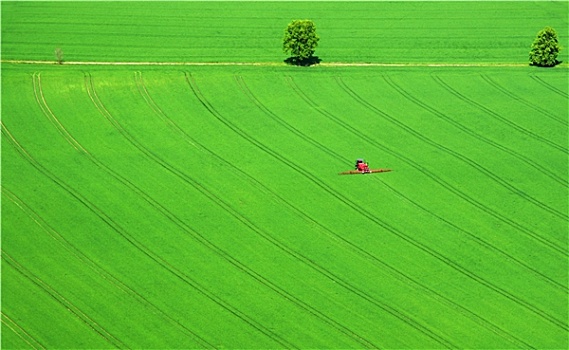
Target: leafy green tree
(545,48)
(300,40)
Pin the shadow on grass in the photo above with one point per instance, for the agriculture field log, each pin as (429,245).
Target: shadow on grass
(295,61)
(546,66)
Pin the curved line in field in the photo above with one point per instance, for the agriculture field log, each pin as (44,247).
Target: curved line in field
(100,330)
(51,116)
(40,99)
(368,215)
(203,148)
(20,332)
(131,240)
(549,86)
(455,190)
(451,152)
(271,239)
(99,270)
(393,271)
(394,312)
(245,89)
(226,256)
(471,235)
(259,278)
(535,309)
(524,101)
(473,133)
(63,131)
(168,214)
(497,116)
(141,85)
(241,315)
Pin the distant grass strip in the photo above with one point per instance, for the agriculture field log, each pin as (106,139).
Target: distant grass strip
(273,64)
(220,31)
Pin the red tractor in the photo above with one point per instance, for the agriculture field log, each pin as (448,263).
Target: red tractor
(362,167)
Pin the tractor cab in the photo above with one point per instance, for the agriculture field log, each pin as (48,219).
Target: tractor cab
(362,166)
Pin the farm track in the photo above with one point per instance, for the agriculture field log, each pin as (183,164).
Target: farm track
(139,246)
(450,151)
(265,141)
(391,271)
(97,269)
(245,220)
(549,86)
(247,92)
(305,137)
(401,275)
(155,158)
(82,316)
(513,96)
(196,235)
(56,296)
(472,133)
(280,245)
(46,110)
(497,116)
(261,64)
(283,293)
(394,312)
(475,238)
(546,316)
(48,113)
(42,103)
(474,164)
(20,332)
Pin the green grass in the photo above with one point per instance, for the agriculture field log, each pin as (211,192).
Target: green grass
(489,32)
(200,207)
(227,201)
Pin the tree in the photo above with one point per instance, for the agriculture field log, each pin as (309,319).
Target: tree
(301,40)
(59,55)
(545,48)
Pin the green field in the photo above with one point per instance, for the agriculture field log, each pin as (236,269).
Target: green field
(389,32)
(200,206)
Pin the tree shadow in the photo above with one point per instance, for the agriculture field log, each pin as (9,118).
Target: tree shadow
(305,62)
(557,62)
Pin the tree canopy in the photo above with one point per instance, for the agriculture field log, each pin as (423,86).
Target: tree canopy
(545,48)
(300,40)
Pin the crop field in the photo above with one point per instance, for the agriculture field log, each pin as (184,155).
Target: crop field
(389,32)
(200,206)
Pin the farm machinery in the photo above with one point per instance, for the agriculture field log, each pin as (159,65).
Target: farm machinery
(362,167)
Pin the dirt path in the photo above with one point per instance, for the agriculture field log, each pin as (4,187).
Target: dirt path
(268,64)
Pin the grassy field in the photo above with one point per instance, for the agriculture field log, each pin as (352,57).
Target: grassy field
(201,207)
(390,32)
